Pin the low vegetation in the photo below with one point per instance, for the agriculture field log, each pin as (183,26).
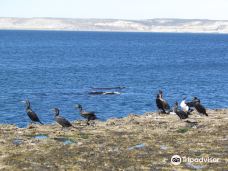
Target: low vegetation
(136,142)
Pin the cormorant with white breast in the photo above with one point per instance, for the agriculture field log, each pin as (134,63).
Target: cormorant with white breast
(184,105)
(161,103)
(182,114)
(31,114)
(61,120)
(85,114)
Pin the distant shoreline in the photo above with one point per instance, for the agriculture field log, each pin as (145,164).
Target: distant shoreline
(117,25)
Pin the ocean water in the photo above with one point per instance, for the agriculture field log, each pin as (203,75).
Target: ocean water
(58,69)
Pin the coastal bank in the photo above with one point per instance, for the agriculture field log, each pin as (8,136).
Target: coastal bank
(135,142)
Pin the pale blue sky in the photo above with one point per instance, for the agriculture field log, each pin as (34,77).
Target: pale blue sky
(122,9)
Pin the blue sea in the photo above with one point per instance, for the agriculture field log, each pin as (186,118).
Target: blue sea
(59,69)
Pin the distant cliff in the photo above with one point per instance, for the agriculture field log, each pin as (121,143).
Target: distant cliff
(150,25)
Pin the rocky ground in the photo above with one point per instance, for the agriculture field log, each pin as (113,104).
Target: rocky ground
(136,142)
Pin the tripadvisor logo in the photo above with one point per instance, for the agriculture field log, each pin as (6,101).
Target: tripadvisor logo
(176,160)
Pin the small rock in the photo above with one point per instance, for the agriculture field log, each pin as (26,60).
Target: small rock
(163,147)
(79,143)
(138,146)
(17,142)
(196,167)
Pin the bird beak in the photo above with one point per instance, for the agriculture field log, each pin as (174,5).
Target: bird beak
(23,101)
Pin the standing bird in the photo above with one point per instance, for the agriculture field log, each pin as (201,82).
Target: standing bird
(88,115)
(31,114)
(61,120)
(162,104)
(182,114)
(200,108)
(197,105)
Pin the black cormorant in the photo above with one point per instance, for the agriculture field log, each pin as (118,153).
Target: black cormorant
(180,113)
(31,114)
(197,105)
(61,120)
(88,115)
(200,108)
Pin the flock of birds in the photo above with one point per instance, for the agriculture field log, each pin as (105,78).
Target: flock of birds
(58,118)
(186,107)
(162,105)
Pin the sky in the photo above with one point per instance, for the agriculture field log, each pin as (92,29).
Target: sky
(116,9)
